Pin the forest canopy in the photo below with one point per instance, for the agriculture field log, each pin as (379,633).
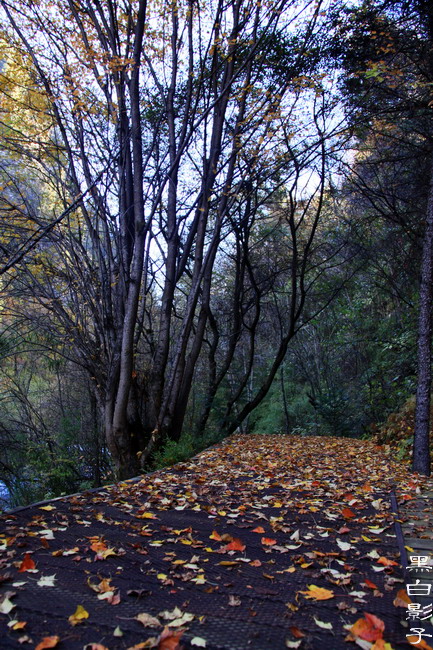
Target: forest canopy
(214,217)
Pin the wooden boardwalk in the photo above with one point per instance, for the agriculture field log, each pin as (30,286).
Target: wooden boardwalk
(262,542)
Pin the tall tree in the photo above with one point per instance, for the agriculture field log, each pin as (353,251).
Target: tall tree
(175,124)
(388,90)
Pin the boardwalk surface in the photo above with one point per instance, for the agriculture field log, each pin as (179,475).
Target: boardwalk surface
(262,542)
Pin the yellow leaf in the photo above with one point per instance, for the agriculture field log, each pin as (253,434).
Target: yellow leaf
(80,615)
(146,515)
(318,593)
(48,508)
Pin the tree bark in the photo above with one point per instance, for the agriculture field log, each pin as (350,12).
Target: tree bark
(421,442)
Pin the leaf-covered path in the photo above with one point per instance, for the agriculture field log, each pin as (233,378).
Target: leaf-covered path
(262,542)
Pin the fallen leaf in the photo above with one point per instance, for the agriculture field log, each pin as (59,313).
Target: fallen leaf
(402,599)
(322,624)
(47,508)
(345,546)
(17,625)
(413,640)
(235,545)
(267,541)
(318,593)
(386,562)
(169,640)
(259,529)
(297,633)
(48,642)
(369,628)
(47,581)
(146,515)
(6,605)
(27,564)
(348,513)
(199,642)
(148,620)
(216,536)
(182,620)
(79,615)
(234,601)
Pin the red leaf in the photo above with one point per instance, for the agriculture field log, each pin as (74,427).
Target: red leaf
(369,628)
(27,564)
(348,513)
(267,541)
(296,632)
(259,529)
(235,545)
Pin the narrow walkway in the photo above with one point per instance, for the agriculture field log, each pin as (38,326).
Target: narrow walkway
(263,543)
(416,516)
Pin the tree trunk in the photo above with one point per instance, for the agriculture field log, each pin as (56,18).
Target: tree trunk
(421,443)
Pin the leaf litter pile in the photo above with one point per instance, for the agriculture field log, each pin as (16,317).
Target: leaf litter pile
(261,542)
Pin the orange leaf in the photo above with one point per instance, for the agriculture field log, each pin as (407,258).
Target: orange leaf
(318,593)
(413,639)
(369,628)
(402,599)
(48,642)
(169,640)
(215,536)
(267,541)
(296,632)
(259,529)
(386,562)
(27,564)
(19,625)
(235,545)
(348,513)
(371,584)
(256,563)
(366,488)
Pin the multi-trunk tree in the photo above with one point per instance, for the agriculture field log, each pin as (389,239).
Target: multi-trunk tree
(175,125)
